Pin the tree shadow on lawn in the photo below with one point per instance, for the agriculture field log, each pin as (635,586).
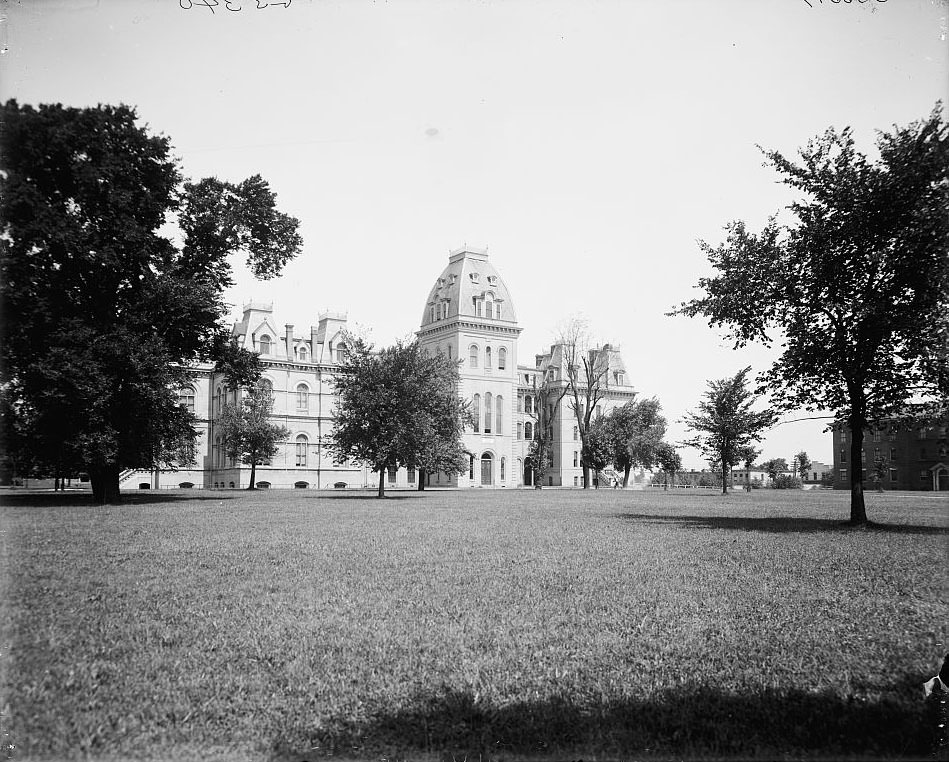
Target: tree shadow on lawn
(779,524)
(84,499)
(694,722)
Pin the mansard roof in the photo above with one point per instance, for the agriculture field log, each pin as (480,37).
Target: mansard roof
(468,277)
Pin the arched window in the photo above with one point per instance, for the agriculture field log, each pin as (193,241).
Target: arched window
(489,308)
(449,351)
(487,412)
(520,430)
(487,357)
(471,467)
(528,431)
(487,477)
(476,412)
(502,468)
(499,404)
(218,399)
(303,354)
(302,443)
(473,356)
(186,398)
(502,358)
(528,405)
(431,315)
(265,344)
(342,353)
(303,398)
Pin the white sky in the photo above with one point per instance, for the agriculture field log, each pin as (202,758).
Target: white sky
(586,144)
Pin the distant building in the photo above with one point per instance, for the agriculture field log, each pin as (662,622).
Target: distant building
(817,471)
(916,456)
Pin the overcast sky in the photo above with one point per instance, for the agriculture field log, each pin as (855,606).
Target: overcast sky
(588,145)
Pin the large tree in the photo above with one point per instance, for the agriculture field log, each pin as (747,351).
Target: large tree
(247,433)
(103,311)
(856,287)
(396,407)
(726,423)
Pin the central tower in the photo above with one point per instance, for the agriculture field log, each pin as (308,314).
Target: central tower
(470,318)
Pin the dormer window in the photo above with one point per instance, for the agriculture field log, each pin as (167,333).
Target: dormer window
(475,277)
(302,354)
(265,344)
(492,279)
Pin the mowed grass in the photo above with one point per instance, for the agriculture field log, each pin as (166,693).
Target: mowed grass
(542,624)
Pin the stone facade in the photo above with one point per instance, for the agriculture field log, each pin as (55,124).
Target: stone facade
(470,316)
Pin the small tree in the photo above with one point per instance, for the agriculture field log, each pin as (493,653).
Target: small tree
(586,369)
(726,424)
(669,461)
(635,430)
(802,464)
(397,408)
(878,473)
(774,467)
(247,433)
(598,451)
(746,456)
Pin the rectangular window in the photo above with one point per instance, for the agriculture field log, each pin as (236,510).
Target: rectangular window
(391,471)
(892,453)
(923,475)
(576,458)
(843,435)
(922,433)
(576,434)
(892,474)
(411,475)
(520,431)
(876,436)
(843,455)
(303,401)
(576,481)
(843,474)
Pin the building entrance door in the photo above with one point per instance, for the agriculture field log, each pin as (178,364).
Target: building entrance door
(486,475)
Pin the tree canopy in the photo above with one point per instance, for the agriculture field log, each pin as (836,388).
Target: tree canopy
(635,432)
(398,407)
(856,287)
(726,423)
(247,433)
(102,311)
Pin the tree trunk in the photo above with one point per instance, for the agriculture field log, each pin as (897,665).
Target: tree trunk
(665,481)
(586,476)
(421,481)
(858,510)
(724,478)
(105,484)
(253,473)
(382,482)
(673,478)
(626,477)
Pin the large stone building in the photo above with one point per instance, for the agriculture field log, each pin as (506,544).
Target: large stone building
(469,315)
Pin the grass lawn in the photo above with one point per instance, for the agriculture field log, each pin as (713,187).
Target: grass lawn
(292,625)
